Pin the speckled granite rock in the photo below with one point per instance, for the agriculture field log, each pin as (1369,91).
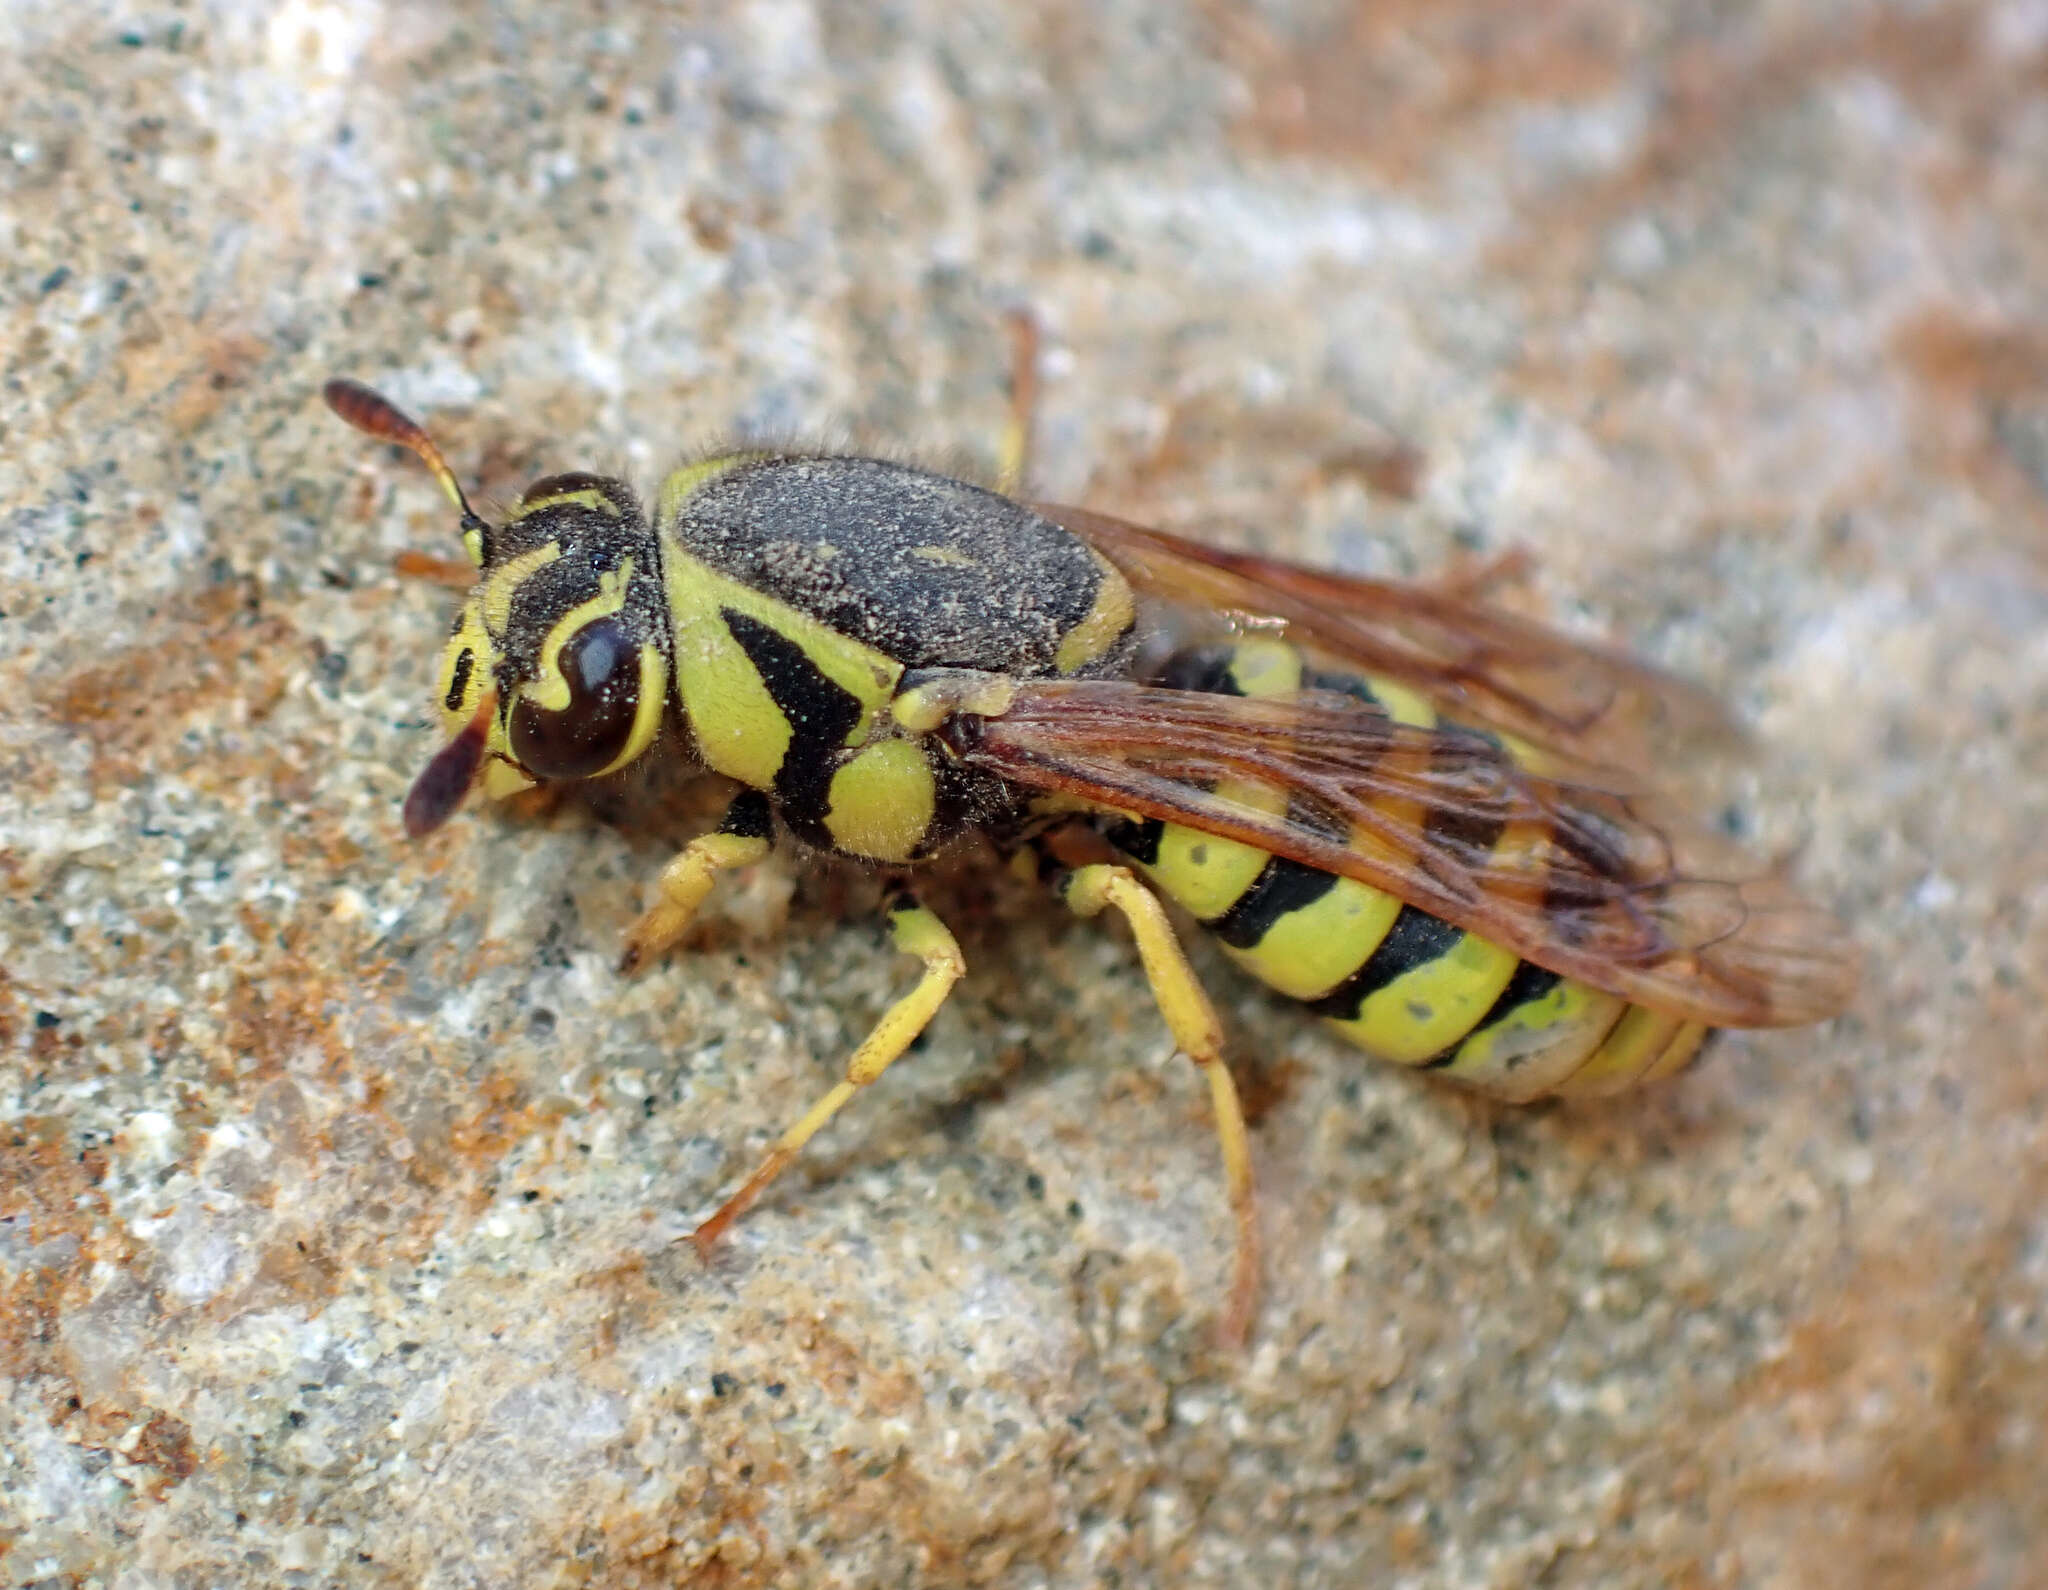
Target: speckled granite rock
(339,1177)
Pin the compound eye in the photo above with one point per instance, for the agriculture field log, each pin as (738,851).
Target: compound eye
(601,666)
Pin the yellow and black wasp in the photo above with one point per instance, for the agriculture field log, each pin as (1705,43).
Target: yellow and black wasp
(1435,824)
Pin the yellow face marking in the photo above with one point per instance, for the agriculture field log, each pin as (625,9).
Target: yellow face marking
(1111,613)
(1539,1043)
(676,490)
(945,557)
(739,730)
(653,702)
(1313,948)
(1431,1006)
(470,636)
(548,688)
(588,497)
(501,778)
(501,582)
(882,802)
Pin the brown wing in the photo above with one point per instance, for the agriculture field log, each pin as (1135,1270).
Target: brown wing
(1589,705)
(1595,883)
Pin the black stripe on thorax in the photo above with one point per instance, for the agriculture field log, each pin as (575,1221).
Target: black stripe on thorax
(821,714)
(748,817)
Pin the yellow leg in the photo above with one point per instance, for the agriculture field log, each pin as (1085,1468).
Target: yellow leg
(1016,454)
(1470,579)
(740,840)
(1199,1035)
(916,932)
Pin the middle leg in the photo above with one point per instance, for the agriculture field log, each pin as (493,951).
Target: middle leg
(918,932)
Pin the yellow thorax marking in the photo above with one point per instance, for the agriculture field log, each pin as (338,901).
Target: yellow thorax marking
(945,557)
(738,727)
(1263,667)
(683,482)
(501,582)
(1102,627)
(882,801)
(924,708)
(1402,704)
(549,689)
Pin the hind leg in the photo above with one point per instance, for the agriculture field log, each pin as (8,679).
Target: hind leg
(1190,1017)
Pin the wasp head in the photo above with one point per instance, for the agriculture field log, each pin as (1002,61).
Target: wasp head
(557,667)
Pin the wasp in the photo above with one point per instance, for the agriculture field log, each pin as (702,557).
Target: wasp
(1436,824)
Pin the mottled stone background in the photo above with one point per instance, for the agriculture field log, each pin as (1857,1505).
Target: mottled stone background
(339,1176)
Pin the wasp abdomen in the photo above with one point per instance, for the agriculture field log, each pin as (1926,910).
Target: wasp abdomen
(1400,983)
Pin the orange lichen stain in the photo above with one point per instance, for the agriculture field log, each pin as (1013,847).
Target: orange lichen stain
(1955,357)
(1212,436)
(50,1198)
(1966,376)
(837,1368)
(708,1533)
(226,362)
(165,1445)
(1264,1086)
(1391,469)
(213,648)
(500,1118)
(1395,82)
(281,1007)
(1714,90)
(1899,1438)
(1881,1448)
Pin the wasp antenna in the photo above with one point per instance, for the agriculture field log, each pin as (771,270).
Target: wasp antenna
(376,415)
(446,779)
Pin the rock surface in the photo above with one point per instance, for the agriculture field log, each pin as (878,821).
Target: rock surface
(340,1178)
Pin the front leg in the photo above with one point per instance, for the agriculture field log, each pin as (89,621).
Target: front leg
(741,839)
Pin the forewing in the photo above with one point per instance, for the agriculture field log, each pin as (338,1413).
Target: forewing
(1603,884)
(1591,706)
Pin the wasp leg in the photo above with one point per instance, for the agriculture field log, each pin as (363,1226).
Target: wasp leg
(458,572)
(740,840)
(1087,890)
(1015,457)
(916,932)
(1471,579)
